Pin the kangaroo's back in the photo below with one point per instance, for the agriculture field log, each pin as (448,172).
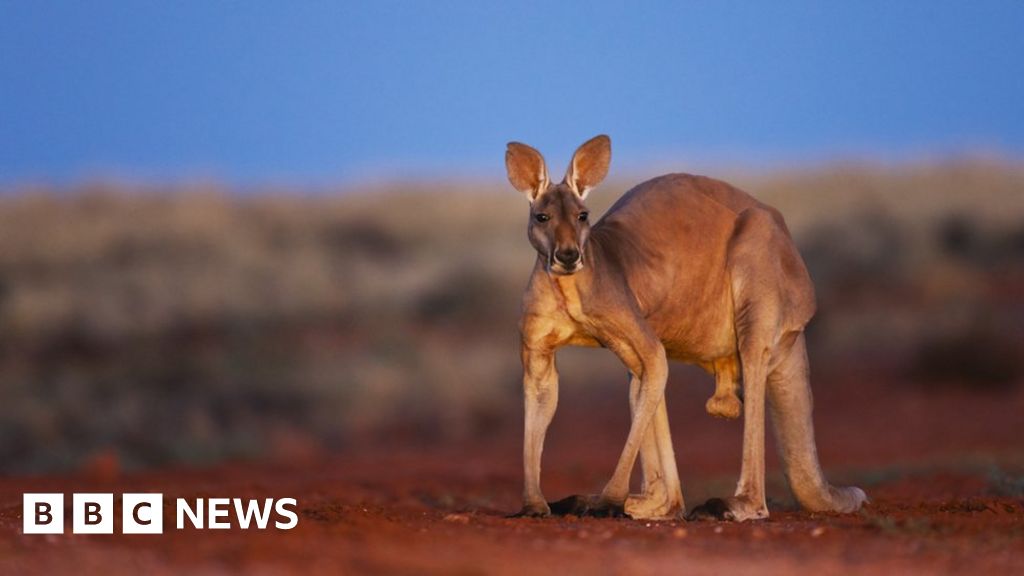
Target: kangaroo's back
(671,233)
(670,238)
(672,194)
(678,221)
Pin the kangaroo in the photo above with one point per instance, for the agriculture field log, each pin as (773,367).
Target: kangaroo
(685,268)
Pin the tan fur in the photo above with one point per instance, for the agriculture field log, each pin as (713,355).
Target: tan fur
(589,165)
(726,402)
(526,169)
(685,268)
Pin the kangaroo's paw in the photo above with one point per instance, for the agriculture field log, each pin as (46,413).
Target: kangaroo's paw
(593,505)
(533,510)
(657,506)
(724,406)
(734,509)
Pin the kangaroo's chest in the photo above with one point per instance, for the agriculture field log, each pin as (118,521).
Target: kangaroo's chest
(581,328)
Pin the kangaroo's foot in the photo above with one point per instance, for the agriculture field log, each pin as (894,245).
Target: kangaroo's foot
(593,505)
(533,510)
(654,506)
(725,405)
(733,509)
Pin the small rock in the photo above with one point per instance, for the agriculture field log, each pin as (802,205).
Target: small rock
(718,529)
(679,533)
(457,518)
(818,531)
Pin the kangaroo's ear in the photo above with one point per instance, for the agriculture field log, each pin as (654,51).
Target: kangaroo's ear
(526,170)
(589,165)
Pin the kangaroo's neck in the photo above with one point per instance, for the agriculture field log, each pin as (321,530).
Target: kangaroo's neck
(568,290)
(575,290)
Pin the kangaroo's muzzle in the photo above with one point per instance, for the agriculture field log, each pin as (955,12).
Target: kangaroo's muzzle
(566,260)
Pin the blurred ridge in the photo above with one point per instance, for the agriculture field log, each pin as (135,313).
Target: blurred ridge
(195,325)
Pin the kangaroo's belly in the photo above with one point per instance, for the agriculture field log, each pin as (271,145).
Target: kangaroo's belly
(698,335)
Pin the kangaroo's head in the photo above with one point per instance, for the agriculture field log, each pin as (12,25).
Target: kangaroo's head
(559,221)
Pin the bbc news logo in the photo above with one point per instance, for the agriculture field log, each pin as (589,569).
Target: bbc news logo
(93,513)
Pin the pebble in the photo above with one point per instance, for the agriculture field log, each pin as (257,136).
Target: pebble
(679,533)
(818,531)
(457,518)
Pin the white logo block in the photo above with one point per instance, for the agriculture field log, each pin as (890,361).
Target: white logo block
(142,514)
(43,513)
(93,514)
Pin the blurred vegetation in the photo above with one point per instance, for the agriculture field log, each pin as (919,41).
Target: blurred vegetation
(195,324)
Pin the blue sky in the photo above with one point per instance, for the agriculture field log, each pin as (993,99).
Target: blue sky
(320,93)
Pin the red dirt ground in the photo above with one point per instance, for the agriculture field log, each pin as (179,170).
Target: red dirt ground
(942,468)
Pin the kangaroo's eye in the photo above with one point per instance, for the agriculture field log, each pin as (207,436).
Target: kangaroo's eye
(541,217)
(583,216)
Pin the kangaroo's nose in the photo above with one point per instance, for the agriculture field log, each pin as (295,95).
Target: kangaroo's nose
(568,256)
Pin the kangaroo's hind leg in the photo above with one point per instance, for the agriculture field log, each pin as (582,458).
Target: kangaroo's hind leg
(661,496)
(773,301)
(761,311)
(755,335)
